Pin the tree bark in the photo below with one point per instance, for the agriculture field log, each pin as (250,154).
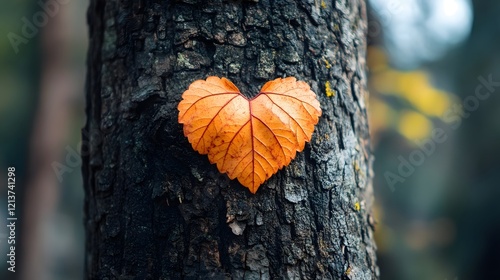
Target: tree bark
(156,209)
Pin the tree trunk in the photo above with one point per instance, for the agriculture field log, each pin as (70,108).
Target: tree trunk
(156,209)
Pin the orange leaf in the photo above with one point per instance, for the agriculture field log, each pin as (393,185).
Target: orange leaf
(249,139)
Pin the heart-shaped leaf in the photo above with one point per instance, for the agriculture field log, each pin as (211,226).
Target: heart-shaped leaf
(249,139)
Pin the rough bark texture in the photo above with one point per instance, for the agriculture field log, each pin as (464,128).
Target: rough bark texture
(156,209)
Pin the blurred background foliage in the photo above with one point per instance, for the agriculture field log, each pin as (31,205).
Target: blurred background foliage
(425,61)
(425,58)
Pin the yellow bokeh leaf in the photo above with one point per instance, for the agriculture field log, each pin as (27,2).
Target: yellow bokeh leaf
(414,125)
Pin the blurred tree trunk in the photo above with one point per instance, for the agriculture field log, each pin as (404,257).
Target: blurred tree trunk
(50,127)
(156,209)
(473,71)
